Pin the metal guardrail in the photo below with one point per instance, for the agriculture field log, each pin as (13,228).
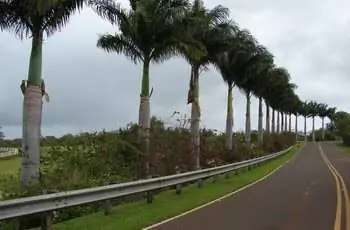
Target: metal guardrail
(45,203)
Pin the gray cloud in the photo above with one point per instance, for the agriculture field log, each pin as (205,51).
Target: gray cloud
(91,90)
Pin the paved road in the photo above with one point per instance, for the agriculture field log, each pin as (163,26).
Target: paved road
(305,194)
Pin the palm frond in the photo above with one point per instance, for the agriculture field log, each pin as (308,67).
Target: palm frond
(120,44)
(209,27)
(58,13)
(219,14)
(4,10)
(110,10)
(15,17)
(165,50)
(33,17)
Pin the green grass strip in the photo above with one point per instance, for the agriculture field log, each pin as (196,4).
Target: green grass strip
(137,215)
(345,148)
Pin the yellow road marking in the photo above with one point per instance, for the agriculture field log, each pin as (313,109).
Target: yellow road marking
(341,186)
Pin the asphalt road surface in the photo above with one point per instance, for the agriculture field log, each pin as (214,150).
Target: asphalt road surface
(308,193)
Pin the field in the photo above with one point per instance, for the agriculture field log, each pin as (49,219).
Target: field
(9,166)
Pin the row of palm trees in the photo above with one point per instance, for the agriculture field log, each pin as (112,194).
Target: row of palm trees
(151,32)
(314,109)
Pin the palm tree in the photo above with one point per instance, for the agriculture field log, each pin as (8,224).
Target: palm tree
(259,61)
(287,105)
(267,117)
(323,112)
(330,114)
(313,112)
(305,112)
(285,121)
(290,122)
(248,62)
(212,30)
(38,20)
(229,115)
(149,32)
(260,84)
(227,63)
(296,112)
(273,83)
(223,64)
(278,128)
(277,93)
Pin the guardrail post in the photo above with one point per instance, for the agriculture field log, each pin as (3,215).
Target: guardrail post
(178,189)
(19,225)
(215,178)
(46,218)
(178,186)
(107,204)
(149,194)
(149,197)
(46,221)
(107,207)
(200,183)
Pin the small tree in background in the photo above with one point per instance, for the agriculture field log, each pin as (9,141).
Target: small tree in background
(2,135)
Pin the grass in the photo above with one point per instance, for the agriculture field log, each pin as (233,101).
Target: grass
(137,215)
(9,166)
(345,148)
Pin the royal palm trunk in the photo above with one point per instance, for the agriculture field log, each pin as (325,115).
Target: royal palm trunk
(229,118)
(290,123)
(305,136)
(247,120)
(282,122)
(267,123)
(145,120)
(32,113)
(296,127)
(323,130)
(195,118)
(260,125)
(313,129)
(273,121)
(286,122)
(278,123)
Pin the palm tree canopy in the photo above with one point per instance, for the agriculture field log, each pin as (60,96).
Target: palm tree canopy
(211,29)
(296,104)
(331,112)
(280,90)
(150,31)
(259,81)
(304,109)
(322,110)
(230,63)
(250,63)
(313,108)
(34,17)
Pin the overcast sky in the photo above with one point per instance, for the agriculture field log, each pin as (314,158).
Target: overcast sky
(92,90)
